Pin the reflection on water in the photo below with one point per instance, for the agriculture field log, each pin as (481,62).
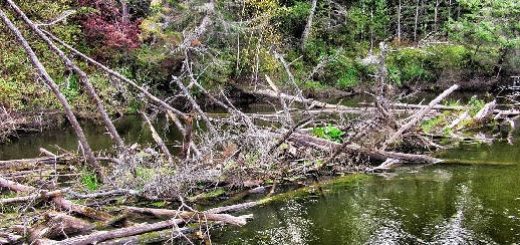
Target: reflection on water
(131,129)
(443,204)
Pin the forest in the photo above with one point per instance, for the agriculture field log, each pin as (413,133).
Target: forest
(198,121)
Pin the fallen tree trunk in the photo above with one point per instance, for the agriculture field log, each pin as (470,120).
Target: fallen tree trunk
(58,225)
(59,201)
(377,155)
(312,103)
(157,138)
(202,216)
(40,195)
(87,151)
(155,237)
(486,113)
(83,77)
(418,116)
(101,236)
(159,236)
(413,106)
(32,162)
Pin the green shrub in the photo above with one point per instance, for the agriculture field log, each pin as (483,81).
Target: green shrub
(89,180)
(329,132)
(409,65)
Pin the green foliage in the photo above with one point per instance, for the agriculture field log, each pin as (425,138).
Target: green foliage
(159,204)
(448,56)
(475,105)
(408,65)
(89,180)
(329,132)
(19,87)
(292,19)
(428,125)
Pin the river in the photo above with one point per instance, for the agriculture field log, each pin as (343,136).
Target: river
(439,204)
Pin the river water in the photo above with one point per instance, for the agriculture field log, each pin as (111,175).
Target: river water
(439,204)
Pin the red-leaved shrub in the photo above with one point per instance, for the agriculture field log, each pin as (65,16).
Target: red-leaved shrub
(107,30)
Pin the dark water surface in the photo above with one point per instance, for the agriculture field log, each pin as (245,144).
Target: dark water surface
(131,128)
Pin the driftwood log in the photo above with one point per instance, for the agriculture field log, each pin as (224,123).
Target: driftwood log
(60,201)
(203,216)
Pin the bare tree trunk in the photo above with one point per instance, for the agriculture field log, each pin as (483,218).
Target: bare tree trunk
(203,216)
(195,106)
(187,138)
(87,151)
(308,27)
(418,116)
(399,8)
(416,21)
(124,11)
(117,75)
(158,139)
(111,129)
(101,236)
(436,16)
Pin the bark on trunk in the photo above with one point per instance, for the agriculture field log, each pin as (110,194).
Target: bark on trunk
(124,11)
(157,138)
(59,225)
(87,151)
(58,200)
(101,236)
(308,26)
(419,116)
(399,8)
(436,16)
(416,20)
(202,216)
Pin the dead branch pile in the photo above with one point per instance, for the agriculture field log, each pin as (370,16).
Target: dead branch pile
(303,137)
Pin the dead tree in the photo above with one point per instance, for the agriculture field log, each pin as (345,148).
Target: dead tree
(58,200)
(83,77)
(418,116)
(87,151)
(120,77)
(157,138)
(399,12)
(308,26)
(416,20)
